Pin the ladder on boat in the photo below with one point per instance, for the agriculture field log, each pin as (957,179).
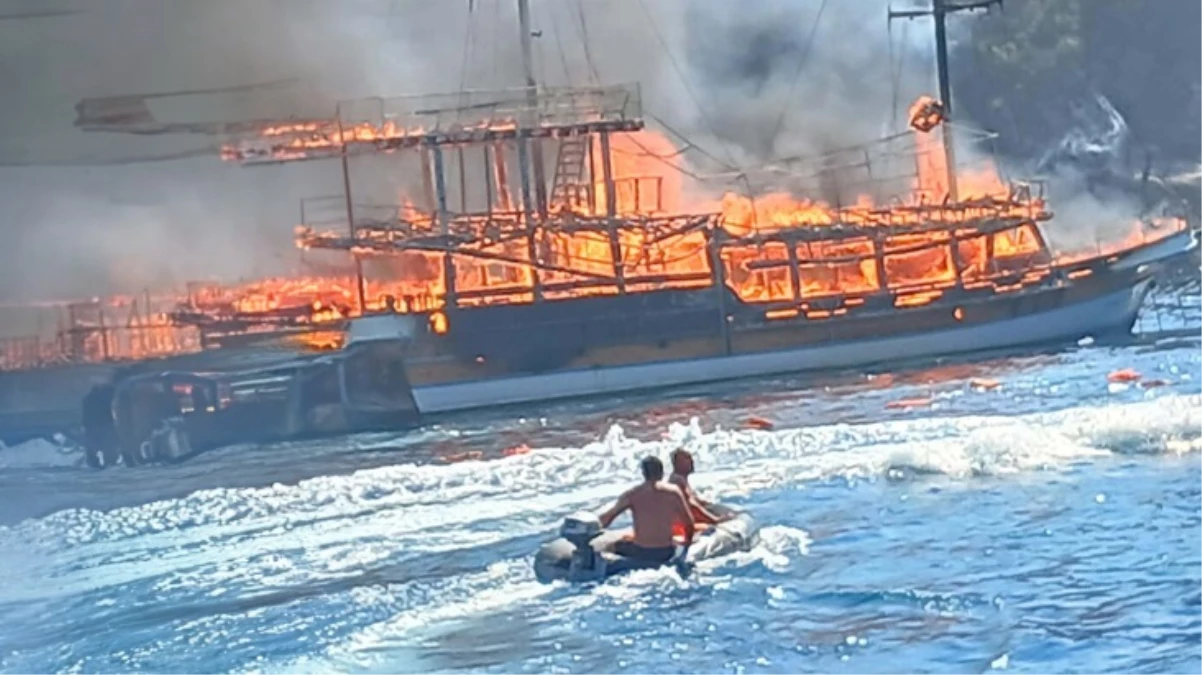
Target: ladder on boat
(569,188)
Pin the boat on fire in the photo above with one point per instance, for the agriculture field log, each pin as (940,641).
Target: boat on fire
(395,370)
(169,415)
(594,281)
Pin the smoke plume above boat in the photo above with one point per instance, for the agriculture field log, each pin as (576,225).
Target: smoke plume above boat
(742,81)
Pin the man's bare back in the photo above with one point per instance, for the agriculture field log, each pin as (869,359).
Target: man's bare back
(656,507)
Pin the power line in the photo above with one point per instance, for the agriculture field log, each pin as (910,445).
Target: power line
(469,45)
(563,56)
(780,120)
(690,144)
(688,87)
(588,56)
(897,66)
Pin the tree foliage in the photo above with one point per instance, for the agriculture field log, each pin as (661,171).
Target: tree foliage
(1026,67)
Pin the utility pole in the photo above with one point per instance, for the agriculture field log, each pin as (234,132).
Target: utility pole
(540,180)
(939,11)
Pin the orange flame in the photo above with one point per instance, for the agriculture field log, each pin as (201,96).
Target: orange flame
(916,267)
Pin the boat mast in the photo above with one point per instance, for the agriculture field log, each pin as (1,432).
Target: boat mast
(939,11)
(540,181)
(360,285)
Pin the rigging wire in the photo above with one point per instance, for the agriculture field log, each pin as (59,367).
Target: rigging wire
(538,53)
(685,140)
(892,70)
(688,87)
(469,44)
(780,120)
(647,153)
(588,55)
(563,56)
(898,68)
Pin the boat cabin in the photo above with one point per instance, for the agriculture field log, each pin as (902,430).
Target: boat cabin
(168,415)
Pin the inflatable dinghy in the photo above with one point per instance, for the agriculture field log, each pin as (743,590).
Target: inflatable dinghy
(584,551)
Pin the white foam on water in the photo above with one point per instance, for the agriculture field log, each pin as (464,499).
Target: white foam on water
(440,496)
(510,584)
(39,453)
(335,527)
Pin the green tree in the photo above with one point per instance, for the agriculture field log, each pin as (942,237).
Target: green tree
(1024,68)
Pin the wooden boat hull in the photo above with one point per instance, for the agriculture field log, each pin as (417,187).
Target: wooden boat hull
(599,346)
(1110,312)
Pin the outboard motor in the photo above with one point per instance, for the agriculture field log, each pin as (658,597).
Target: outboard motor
(580,529)
(168,442)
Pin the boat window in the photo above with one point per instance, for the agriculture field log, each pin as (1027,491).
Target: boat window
(837,268)
(919,260)
(638,194)
(586,252)
(1013,249)
(1019,242)
(678,261)
(973,258)
(759,274)
(494,281)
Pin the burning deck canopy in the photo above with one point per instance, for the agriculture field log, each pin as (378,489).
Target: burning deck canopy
(899,215)
(613,216)
(386,124)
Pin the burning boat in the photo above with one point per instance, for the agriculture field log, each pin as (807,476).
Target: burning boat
(167,414)
(598,281)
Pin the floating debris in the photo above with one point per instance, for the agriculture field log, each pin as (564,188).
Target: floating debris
(759,423)
(906,403)
(1124,375)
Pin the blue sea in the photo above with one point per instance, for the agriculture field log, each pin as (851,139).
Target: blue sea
(1015,514)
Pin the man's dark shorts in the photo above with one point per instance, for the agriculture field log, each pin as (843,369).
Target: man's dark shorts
(629,549)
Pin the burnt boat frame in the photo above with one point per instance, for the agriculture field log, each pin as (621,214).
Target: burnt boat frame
(168,415)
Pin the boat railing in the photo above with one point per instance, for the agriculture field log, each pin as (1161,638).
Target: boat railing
(384,124)
(549,106)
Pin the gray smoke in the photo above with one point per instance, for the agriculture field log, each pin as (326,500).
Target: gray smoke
(743,82)
(79,227)
(1095,194)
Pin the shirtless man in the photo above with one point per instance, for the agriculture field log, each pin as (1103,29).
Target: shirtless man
(656,507)
(682,466)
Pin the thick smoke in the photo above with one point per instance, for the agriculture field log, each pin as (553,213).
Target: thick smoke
(89,230)
(742,81)
(78,226)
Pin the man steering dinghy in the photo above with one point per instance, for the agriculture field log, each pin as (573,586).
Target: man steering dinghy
(663,534)
(656,508)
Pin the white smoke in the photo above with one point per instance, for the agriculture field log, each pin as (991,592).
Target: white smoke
(1090,181)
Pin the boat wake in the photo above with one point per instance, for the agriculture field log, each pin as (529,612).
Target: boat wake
(357,569)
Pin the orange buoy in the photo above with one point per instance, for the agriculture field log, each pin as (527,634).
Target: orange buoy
(982,383)
(1124,375)
(759,423)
